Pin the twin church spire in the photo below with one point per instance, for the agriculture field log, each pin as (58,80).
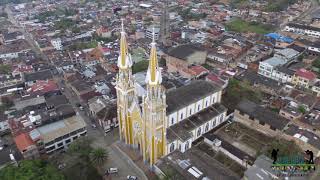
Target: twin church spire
(154,73)
(125,61)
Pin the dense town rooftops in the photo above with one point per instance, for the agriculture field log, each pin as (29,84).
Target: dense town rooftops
(180,163)
(184,51)
(262,114)
(188,94)
(39,75)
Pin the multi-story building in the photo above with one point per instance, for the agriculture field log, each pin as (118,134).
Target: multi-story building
(60,134)
(149,32)
(303,29)
(169,120)
(267,67)
(57,44)
(304,78)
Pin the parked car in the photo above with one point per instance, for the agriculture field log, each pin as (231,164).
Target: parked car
(131,177)
(93,125)
(112,171)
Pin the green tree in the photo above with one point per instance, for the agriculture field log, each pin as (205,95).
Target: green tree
(316,63)
(140,66)
(302,109)
(88,155)
(5,69)
(81,148)
(7,102)
(98,157)
(31,170)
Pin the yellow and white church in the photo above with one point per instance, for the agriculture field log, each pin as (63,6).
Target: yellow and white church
(165,120)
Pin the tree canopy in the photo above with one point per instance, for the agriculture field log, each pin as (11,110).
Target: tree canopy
(31,170)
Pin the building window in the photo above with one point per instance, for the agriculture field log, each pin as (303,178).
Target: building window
(190,112)
(186,146)
(213,100)
(171,147)
(199,132)
(221,118)
(68,141)
(207,127)
(172,121)
(50,148)
(199,107)
(181,116)
(213,123)
(60,144)
(206,103)
(74,138)
(262,123)
(179,147)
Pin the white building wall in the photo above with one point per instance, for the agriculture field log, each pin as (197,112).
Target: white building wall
(207,102)
(173,118)
(191,109)
(182,114)
(199,105)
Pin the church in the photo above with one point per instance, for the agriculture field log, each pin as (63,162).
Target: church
(164,121)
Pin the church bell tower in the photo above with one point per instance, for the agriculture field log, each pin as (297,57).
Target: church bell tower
(154,111)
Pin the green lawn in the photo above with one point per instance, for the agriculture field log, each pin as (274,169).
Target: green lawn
(236,91)
(140,66)
(239,25)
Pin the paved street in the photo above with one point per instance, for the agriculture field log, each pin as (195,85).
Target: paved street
(116,157)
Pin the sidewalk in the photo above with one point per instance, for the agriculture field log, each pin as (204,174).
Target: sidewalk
(137,158)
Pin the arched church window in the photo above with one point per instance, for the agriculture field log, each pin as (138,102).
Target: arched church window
(221,118)
(199,132)
(186,146)
(207,127)
(171,147)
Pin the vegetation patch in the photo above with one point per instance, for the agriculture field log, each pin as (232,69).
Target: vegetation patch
(31,169)
(140,66)
(279,5)
(83,45)
(236,91)
(241,26)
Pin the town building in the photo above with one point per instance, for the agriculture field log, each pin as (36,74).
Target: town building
(303,29)
(149,33)
(304,78)
(57,44)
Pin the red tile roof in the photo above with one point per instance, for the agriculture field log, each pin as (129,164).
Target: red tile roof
(23,141)
(198,70)
(214,78)
(43,87)
(306,74)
